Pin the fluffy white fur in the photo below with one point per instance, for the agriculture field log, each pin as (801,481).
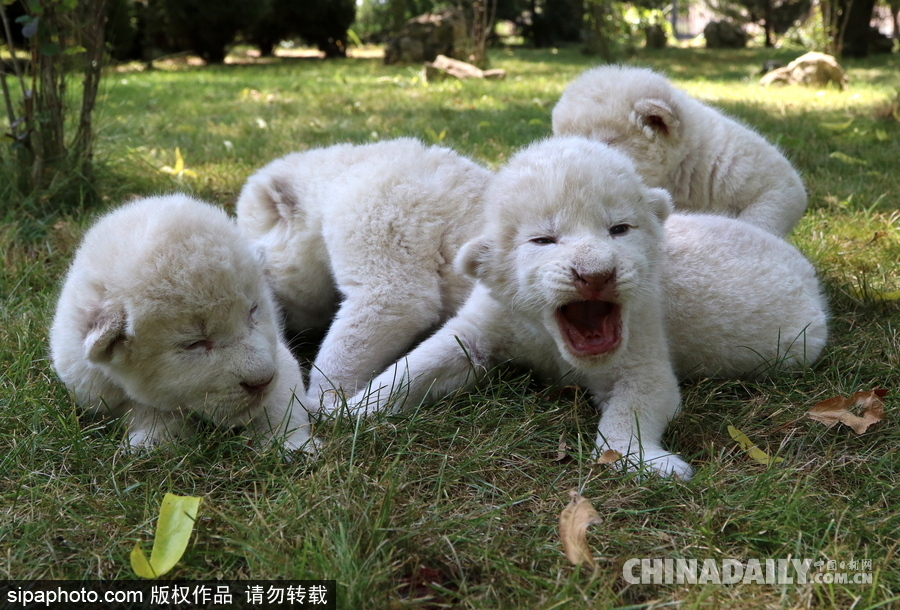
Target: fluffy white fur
(567,267)
(738,301)
(707,161)
(165,313)
(369,231)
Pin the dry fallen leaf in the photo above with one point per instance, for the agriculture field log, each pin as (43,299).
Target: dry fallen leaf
(561,449)
(573,523)
(752,450)
(837,410)
(609,456)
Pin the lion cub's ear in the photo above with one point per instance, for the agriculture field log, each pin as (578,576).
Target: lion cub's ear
(106,330)
(268,199)
(655,117)
(660,202)
(472,255)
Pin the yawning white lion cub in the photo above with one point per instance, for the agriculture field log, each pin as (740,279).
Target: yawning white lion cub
(165,313)
(707,161)
(568,284)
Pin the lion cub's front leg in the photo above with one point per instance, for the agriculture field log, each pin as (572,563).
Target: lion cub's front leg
(455,357)
(364,338)
(283,417)
(636,411)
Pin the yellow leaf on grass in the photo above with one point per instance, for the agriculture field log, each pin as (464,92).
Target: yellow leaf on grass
(179,170)
(837,126)
(752,450)
(876,295)
(573,523)
(179,162)
(845,158)
(837,410)
(173,532)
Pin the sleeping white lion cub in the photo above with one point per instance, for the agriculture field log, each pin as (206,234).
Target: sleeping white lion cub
(370,232)
(165,313)
(568,283)
(707,161)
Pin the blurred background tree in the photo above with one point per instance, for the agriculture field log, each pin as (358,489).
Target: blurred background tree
(323,23)
(208,28)
(605,27)
(848,26)
(773,16)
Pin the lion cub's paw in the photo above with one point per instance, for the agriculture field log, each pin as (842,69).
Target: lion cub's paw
(331,401)
(300,442)
(139,440)
(149,428)
(657,461)
(667,464)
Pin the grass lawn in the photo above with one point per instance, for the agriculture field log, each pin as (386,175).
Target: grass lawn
(457,505)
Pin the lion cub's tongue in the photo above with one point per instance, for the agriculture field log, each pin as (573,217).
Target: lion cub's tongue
(591,327)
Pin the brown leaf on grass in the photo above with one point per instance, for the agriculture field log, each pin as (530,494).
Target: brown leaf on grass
(561,454)
(573,523)
(609,456)
(837,410)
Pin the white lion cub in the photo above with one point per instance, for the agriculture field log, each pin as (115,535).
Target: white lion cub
(165,313)
(370,232)
(707,161)
(568,283)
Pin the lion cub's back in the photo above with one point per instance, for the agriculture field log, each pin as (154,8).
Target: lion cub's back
(739,300)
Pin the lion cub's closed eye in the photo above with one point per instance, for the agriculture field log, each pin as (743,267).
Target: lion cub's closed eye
(202,344)
(619,229)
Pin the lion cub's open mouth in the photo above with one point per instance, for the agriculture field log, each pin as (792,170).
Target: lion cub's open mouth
(591,328)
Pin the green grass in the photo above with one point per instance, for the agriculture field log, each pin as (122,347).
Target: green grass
(456,505)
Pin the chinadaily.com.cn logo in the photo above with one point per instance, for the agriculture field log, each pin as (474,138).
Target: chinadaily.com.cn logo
(658,571)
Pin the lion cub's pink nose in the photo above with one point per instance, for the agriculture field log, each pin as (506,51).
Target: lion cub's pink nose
(594,285)
(256,387)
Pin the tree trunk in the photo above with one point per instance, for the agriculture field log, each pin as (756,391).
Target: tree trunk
(47,121)
(895,19)
(858,28)
(598,41)
(83,144)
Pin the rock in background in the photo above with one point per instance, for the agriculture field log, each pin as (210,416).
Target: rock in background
(425,37)
(724,35)
(812,69)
